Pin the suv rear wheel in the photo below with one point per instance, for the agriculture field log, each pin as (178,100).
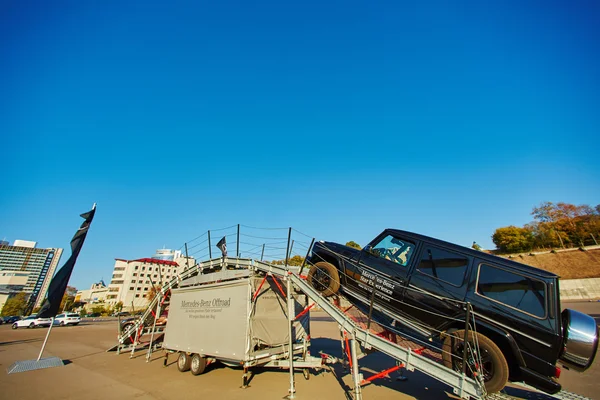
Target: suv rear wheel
(324,278)
(494,367)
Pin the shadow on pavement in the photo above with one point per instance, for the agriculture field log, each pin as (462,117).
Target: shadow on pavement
(20,342)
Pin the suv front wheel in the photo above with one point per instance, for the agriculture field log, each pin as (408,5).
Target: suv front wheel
(494,367)
(324,278)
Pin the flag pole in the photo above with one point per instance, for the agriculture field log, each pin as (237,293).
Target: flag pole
(46,340)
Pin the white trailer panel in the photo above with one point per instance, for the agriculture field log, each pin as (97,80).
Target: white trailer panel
(211,320)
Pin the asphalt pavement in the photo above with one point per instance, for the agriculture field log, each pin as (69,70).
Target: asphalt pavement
(92,373)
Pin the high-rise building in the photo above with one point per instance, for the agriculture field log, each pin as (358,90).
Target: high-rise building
(133,279)
(11,283)
(39,263)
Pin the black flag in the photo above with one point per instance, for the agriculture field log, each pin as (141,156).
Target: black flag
(58,285)
(223,246)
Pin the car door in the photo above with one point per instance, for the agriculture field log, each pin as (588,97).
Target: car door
(382,270)
(437,286)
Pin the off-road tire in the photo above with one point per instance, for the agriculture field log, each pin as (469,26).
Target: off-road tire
(184,361)
(324,278)
(494,366)
(198,364)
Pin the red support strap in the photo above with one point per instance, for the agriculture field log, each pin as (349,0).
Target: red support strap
(278,285)
(348,350)
(304,311)
(259,287)
(382,374)
(153,313)
(165,297)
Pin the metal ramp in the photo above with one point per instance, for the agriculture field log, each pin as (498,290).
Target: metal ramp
(461,384)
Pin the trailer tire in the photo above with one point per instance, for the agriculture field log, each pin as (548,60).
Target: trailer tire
(184,361)
(494,366)
(324,278)
(198,364)
(306,373)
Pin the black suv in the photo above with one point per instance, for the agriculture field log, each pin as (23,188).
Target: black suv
(422,284)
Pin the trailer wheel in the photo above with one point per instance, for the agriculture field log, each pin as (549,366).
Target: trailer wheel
(198,364)
(324,278)
(306,373)
(183,361)
(494,367)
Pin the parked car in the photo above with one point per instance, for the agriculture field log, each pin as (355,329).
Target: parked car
(423,284)
(67,319)
(92,315)
(32,322)
(11,319)
(121,314)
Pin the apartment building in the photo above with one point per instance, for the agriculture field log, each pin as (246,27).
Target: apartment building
(133,279)
(40,265)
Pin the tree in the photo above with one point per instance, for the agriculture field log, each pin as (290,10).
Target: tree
(119,306)
(512,239)
(570,224)
(67,302)
(294,261)
(152,293)
(99,309)
(15,305)
(352,243)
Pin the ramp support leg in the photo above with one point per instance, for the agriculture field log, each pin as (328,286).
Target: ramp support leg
(291,313)
(355,372)
(158,310)
(245,378)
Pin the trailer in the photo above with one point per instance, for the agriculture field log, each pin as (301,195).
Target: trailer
(240,318)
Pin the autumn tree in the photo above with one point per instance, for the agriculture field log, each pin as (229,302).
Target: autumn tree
(67,302)
(153,292)
(353,244)
(512,239)
(15,305)
(572,225)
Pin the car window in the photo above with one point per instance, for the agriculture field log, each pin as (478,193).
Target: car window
(444,265)
(72,315)
(60,316)
(517,291)
(394,249)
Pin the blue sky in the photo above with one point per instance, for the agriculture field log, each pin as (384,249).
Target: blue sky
(450,119)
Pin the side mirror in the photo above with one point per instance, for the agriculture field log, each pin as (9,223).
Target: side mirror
(368,248)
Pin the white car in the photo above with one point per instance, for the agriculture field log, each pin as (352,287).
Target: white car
(32,322)
(67,319)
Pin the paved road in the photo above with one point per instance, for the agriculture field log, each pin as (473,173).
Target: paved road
(91,373)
